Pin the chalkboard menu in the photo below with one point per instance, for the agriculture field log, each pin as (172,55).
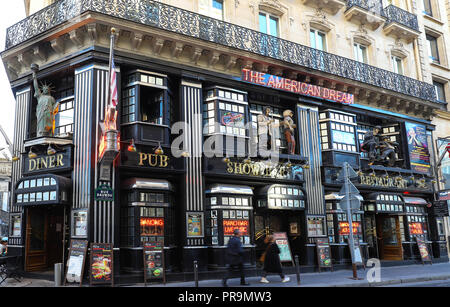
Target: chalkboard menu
(423,249)
(75,263)
(154,267)
(282,241)
(102,263)
(323,253)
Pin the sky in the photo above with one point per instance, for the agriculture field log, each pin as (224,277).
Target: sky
(12,11)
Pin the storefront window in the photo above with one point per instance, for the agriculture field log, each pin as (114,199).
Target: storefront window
(316,226)
(151,224)
(64,117)
(417,226)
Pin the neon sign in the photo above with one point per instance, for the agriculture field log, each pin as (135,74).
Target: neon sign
(415,229)
(230,225)
(344,228)
(296,87)
(152,222)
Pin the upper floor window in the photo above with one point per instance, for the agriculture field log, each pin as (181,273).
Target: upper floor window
(440,92)
(360,53)
(318,39)
(427,8)
(433,48)
(212,8)
(268,24)
(397,65)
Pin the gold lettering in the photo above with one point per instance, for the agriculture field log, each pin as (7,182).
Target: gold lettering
(236,169)
(59,160)
(230,167)
(44,162)
(142,158)
(246,169)
(52,161)
(256,170)
(163,161)
(153,161)
(31,162)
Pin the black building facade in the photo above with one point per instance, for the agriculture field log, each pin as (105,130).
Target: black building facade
(179,187)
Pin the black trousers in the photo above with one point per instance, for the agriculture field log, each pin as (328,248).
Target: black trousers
(264,274)
(232,269)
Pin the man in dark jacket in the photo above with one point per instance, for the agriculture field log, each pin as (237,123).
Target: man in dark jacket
(235,253)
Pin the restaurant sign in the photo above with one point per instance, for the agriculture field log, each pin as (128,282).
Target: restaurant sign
(44,163)
(296,87)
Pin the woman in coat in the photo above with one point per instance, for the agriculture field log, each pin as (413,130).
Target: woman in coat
(272,263)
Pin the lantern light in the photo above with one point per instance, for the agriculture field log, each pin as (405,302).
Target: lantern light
(132,146)
(31,154)
(159,150)
(50,150)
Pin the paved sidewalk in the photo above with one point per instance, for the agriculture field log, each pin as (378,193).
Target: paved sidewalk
(342,278)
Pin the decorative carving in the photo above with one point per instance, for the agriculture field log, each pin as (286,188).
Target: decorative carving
(381,149)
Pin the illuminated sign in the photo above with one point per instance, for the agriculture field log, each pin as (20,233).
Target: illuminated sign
(230,225)
(257,169)
(415,229)
(344,228)
(296,87)
(152,221)
(43,163)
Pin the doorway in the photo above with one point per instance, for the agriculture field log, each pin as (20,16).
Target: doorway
(44,238)
(389,238)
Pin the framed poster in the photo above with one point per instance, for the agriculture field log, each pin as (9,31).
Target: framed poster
(423,250)
(79,220)
(194,224)
(76,261)
(102,264)
(154,266)
(419,154)
(282,241)
(323,253)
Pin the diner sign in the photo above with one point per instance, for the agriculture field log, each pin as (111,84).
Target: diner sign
(43,163)
(296,87)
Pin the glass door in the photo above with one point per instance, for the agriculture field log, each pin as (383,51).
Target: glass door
(389,238)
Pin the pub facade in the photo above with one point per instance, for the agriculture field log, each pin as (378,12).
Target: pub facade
(189,169)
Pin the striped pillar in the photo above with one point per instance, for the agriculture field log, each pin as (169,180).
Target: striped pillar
(191,97)
(308,119)
(23,103)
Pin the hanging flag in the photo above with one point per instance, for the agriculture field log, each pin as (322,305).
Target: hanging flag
(113,83)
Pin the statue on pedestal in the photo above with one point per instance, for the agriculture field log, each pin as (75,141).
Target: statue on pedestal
(289,126)
(46,107)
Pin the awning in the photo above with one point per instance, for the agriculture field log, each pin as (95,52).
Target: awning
(415,200)
(45,189)
(147,184)
(229,189)
(336,196)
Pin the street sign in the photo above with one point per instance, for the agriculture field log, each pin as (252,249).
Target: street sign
(350,174)
(353,201)
(351,189)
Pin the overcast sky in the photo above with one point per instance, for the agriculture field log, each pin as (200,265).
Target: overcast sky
(11,12)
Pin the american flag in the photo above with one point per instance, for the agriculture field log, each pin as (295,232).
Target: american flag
(113,83)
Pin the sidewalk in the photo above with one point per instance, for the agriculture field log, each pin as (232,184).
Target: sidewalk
(341,278)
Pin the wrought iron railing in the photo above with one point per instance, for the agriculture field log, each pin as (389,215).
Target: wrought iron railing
(396,14)
(374,6)
(173,19)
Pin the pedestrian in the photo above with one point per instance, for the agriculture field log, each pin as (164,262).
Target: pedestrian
(4,246)
(235,253)
(272,263)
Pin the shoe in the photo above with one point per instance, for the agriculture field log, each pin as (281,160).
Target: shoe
(245,284)
(264,280)
(286,279)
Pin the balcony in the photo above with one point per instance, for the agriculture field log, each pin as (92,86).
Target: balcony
(329,6)
(366,12)
(207,30)
(401,24)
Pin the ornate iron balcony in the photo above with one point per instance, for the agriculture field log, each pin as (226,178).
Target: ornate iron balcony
(374,6)
(173,19)
(396,14)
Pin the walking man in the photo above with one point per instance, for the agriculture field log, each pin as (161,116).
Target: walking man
(235,253)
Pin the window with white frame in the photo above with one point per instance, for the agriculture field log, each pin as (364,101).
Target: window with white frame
(433,50)
(268,24)
(360,52)
(318,39)
(397,65)
(212,8)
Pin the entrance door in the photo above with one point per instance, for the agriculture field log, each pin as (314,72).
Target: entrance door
(36,238)
(389,239)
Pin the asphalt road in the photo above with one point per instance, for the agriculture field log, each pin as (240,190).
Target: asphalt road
(427,284)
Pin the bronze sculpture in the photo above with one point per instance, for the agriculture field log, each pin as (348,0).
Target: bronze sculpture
(46,107)
(289,126)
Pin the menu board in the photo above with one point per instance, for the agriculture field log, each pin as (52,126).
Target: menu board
(102,264)
(75,263)
(282,241)
(423,249)
(419,155)
(154,267)
(323,253)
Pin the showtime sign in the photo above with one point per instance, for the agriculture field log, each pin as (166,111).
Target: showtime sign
(296,87)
